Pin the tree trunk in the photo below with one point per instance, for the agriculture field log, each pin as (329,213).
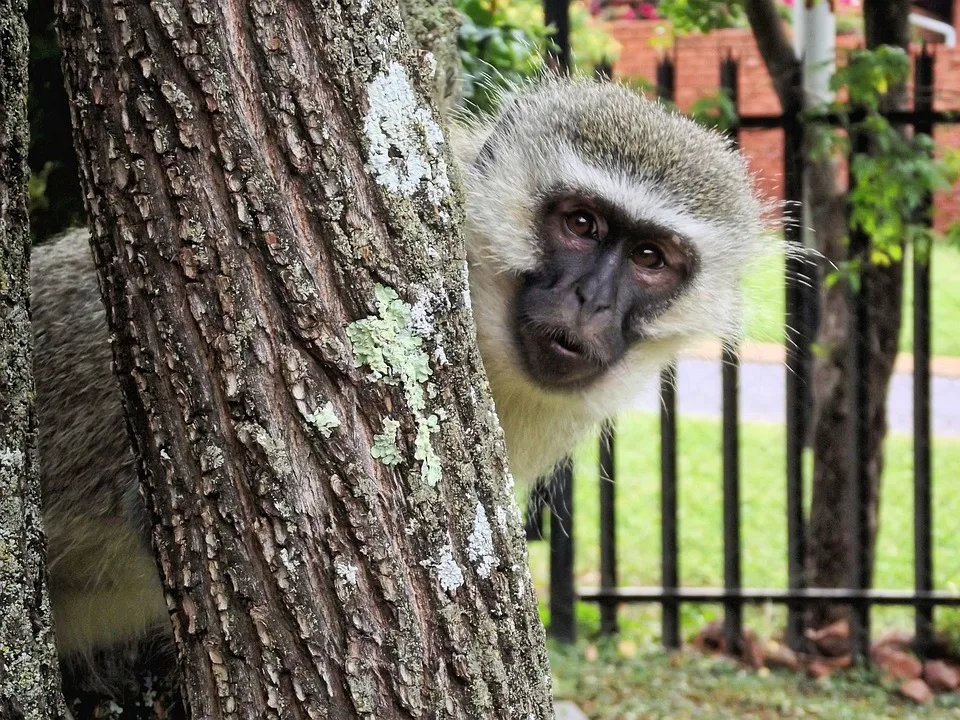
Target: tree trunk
(830,547)
(29,674)
(831,516)
(281,256)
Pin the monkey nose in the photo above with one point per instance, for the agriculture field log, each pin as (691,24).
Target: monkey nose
(593,301)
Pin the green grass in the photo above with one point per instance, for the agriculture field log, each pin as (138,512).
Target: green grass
(682,686)
(701,562)
(764,303)
(763,507)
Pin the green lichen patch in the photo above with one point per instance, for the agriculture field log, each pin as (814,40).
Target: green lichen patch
(429,462)
(385,444)
(391,345)
(324,419)
(388,345)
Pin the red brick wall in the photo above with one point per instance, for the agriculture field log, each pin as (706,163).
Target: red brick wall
(698,70)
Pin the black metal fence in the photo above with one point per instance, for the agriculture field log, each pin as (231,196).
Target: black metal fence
(801,301)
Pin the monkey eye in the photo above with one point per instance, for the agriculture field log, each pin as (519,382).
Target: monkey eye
(583,224)
(648,256)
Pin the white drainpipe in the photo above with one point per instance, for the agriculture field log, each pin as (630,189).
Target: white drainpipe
(937,26)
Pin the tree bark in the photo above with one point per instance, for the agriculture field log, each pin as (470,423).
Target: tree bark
(830,544)
(29,674)
(280,251)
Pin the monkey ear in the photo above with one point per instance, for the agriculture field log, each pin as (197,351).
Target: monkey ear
(487,153)
(504,124)
(467,141)
(477,138)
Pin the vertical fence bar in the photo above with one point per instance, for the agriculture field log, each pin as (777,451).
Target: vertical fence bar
(730,371)
(797,350)
(538,500)
(922,514)
(666,77)
(669,549)
(556,13)
(859,426)
(608,529)
(733,608)
(562,593)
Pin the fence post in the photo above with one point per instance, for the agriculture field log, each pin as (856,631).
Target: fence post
(730,370)
(538,500)
(563,625)
(922,515)
(797,350)
(562,591)
(669,549)
(556,13)
(666,77)
(608,529)
(608,492)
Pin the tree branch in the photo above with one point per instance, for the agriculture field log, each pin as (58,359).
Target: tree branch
(776,51)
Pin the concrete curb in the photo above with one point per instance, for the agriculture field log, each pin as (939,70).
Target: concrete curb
(566,710)
(773,354)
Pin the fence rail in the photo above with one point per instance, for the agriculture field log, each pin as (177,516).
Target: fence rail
(738,597)
(801,302)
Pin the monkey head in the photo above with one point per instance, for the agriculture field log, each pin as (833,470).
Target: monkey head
(605,233)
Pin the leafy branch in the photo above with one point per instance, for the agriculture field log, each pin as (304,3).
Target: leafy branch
(892,181)
(502,43)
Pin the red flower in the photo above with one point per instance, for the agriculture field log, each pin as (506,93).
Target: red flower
(647,11)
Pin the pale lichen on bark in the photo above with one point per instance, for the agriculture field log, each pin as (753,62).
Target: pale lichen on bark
(406,142)
(480,549)
(29,673)
(449,574)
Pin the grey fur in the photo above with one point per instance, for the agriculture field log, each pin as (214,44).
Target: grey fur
(105,588)
(104,585)
(611,126)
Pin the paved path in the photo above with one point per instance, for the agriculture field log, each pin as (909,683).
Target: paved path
(763,396)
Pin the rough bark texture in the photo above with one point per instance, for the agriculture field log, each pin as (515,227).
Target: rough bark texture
(333,516)
(831,544)
(29,674)
(829,527)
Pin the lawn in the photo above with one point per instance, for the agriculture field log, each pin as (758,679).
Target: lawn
(764,303)
(701,563)
(687,686)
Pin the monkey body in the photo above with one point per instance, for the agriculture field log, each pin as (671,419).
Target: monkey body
(603,235)
(104,583)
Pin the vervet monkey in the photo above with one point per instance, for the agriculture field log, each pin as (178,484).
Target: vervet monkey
(604,234)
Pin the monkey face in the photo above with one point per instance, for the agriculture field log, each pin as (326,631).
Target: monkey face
(604,235)
(602,278)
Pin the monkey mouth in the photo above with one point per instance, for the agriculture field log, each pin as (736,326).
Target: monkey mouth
(566,345)
(557,358)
